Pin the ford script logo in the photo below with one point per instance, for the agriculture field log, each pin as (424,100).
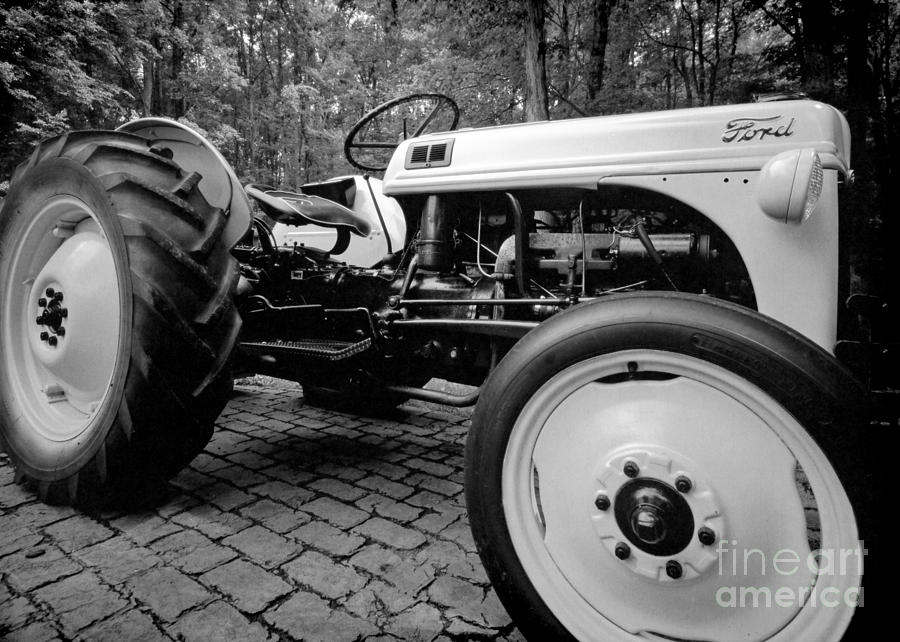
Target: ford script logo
(746,129)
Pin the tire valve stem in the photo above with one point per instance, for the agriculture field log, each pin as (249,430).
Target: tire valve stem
(673,569)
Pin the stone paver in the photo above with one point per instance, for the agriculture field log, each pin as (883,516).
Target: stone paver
(262,546)
(296,523)
(218,621)
(324,576)
(308,617)
(248,586)
(168,592)
(80,600)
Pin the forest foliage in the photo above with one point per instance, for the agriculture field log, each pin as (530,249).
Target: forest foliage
(277,83)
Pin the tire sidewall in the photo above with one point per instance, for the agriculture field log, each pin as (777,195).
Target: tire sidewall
(800,376)
(37,457)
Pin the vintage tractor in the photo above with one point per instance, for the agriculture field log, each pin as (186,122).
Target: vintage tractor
(646,306)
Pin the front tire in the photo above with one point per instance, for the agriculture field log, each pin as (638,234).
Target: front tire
(116,316)
(625,453)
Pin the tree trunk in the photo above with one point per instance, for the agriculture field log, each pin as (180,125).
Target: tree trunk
(599,40)
(818,48)
(536,103)
(147,89)
(176,98)
(564,54)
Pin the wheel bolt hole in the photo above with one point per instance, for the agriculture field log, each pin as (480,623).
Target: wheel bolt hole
(683,484)
(631,469)
(623,551)
(673,569)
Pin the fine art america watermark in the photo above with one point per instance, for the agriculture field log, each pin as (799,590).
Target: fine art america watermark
(753,564)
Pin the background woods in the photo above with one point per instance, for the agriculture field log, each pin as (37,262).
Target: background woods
(276,83)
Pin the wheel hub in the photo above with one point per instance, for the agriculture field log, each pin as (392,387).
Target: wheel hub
(69,288)
(657,511)
(654,517)
(51,317)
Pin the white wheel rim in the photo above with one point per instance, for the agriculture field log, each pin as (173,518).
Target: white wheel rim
(60,379)
(741,451)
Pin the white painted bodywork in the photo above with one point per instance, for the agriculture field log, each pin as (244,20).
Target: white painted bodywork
(709,158)
(362,252)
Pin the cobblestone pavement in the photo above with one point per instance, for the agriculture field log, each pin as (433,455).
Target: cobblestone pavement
(295,523)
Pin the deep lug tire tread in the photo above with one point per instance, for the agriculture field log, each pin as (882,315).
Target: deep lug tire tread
(184,325)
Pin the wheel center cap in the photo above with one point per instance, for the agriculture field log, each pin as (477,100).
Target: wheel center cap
(654,516)
(648,524)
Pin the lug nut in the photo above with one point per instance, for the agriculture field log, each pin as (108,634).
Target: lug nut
(673,569)
(61,332)
(707,536)
(683,484)
(42,302)
(39,320)
(631,469)
(64,313)
(45,336)
(602,502)
(50,292)
(52,341)
(623,551)
(58,297)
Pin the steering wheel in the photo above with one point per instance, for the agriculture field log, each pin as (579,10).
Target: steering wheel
(373,139)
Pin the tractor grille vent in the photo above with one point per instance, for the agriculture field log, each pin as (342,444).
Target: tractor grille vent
(436,154)
(419,154)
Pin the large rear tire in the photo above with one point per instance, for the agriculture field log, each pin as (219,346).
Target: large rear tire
(116,316)
(626,456)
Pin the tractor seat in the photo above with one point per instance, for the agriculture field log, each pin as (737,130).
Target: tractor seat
(340,190)
(307,209)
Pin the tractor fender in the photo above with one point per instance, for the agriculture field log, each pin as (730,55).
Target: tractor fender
(194,153)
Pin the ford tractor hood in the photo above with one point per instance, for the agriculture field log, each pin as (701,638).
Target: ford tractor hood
(579,152)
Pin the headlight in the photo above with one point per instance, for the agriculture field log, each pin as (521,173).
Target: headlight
(790,185)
